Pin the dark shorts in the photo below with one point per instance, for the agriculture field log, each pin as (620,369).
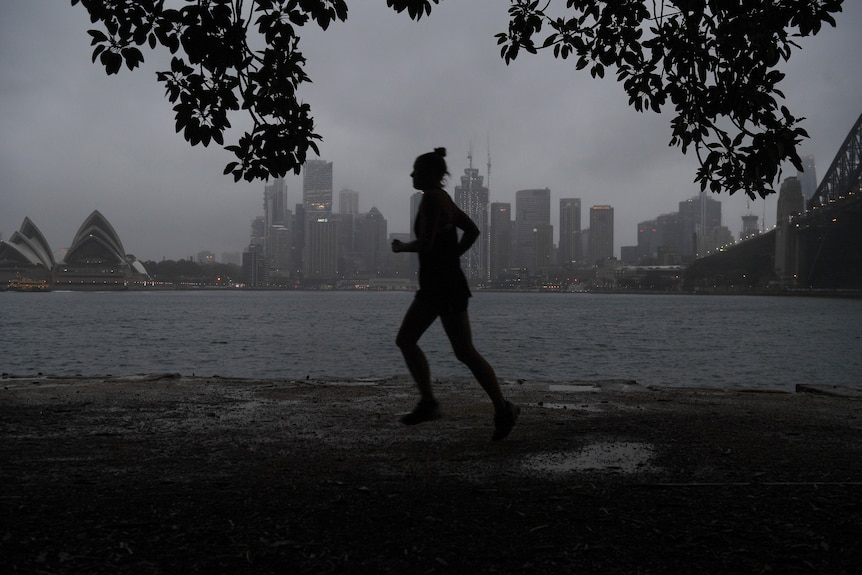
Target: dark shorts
(445,303)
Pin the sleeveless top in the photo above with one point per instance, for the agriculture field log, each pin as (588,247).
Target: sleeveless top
(440,274)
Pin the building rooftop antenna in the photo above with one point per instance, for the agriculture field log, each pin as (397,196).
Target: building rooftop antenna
(470,155)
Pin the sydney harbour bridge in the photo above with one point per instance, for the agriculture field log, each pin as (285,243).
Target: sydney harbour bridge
(815,248)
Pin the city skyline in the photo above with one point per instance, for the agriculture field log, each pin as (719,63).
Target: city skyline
(78,140)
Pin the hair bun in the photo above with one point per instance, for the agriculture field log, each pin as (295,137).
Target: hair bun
(440,152)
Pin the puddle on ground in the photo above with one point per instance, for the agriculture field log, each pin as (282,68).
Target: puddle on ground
(622,457)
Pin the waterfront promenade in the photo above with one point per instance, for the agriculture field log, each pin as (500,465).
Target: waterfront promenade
(171,474)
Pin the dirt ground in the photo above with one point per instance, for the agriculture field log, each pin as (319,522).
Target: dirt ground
(170,474)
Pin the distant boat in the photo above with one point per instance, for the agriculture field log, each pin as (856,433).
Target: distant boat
(26,284)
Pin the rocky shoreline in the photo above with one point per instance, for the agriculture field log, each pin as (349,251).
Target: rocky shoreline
(175,474)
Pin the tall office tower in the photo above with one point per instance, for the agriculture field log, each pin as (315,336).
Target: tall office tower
(318,259)
(570,231)
(348,225)
(275,203)
(749,226)
(321,249)
(670,233)
(501,239)
(649,239)
(258,232)
(532,209)
(279,254)
(601,233)
(348,202)
(255,272)
(808,177)
(699,216)
(317,188)
(275,213)
(472,197)
(790,203)
(298,237)
(544,241)
(371,241)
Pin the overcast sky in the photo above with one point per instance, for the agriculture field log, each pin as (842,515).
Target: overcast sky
(385,89)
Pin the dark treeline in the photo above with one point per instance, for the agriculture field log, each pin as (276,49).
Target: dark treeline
(189,272)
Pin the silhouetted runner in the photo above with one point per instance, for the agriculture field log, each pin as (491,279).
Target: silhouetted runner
(444,293)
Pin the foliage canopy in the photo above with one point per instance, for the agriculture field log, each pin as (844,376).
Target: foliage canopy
(714,62)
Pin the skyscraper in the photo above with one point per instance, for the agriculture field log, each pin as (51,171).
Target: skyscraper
(532,208)
(279,254)
(601,233)
(698,217)
(472,197)
(371,241)
(258,232)
(320,251)
(570,231)
(317,188)
(500,239)
(749,226)
(275,214)
(544,242)
(808,177)
(348,202)
(255,272)
(275,203)
(790,203)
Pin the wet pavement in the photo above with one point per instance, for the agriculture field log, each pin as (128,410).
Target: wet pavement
(152,443)
(610,426)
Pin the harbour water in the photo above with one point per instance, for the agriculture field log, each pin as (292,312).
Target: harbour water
(674,340)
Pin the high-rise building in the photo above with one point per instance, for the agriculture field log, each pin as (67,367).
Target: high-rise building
(808,177)
(790,203)
(472,197)
(544,242)
(601,233)
(258,232)
(348,255)
(275,214)
(665,232)
(750,226)
(348,202)
(532,209)
(649,239)
(255,272)
(279,252)
(317,188)
(321,249)
(501,239)
(298,241)
(570,231)
(698,217)
(275,203)
(371,241)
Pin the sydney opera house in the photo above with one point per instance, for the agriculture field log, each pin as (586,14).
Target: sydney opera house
(95,260)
